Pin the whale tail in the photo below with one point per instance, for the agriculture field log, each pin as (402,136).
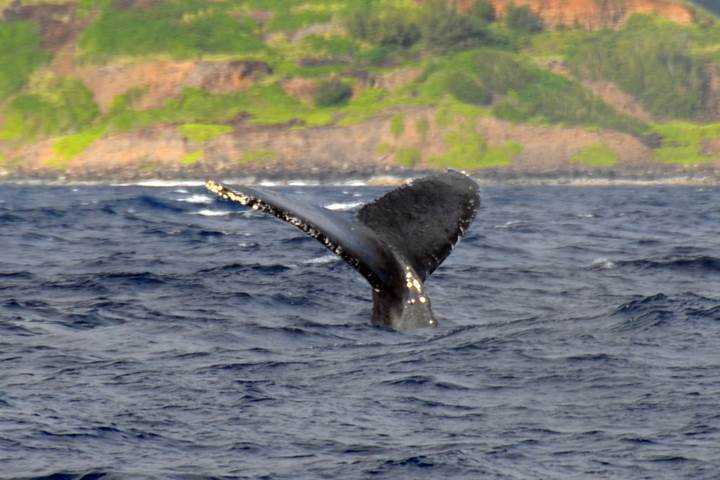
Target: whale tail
(396,242)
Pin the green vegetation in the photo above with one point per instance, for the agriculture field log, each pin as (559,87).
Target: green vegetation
(356,54)
(408,157)
(57,163)
(467,89)
(52,106)
(182,29)
(684,142)
(437,24)
(292,15)
(200,132)
(397,125)
(444,28)
(255,157)
(192,158)
(652,60)
(597,155)
(389,27)
(70,146)
(524,91)
(20,55)
(332,92)
(522,19)
(466,149)
(328,50)
(384,149)
(266,105)
(365,105)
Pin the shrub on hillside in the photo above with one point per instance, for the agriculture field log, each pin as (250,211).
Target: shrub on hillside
(390,27)
(180,29)
(468,90)
(523,91)
(443,27)
(483,10)
(332,92)
(58,105)
(438,24)
(652,61)
(20,54)
(522,19)
(558,100)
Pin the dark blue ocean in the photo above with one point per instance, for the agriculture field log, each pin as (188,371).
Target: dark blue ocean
(157,333)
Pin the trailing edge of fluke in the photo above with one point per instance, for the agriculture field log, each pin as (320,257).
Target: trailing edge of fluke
(395,242)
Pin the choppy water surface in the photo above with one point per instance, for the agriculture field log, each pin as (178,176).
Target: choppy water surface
(158,333)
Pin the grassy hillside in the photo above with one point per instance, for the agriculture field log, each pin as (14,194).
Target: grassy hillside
(341,62)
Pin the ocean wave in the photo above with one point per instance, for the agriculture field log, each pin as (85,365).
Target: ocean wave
(303,183)
(603,264)
(63,475)
(516,226)
(239,267)
(9,218)
(271,183)
(325,259)
(14,275)
(195,330)
(702,263)
(137,278)
(9,327)
(424,380)
(353,183)
(90,320)
(343,206)
(648,312)
(139,203)
(212,213)
(197,198)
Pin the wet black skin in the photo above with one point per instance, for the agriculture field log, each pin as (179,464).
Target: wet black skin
(395,242)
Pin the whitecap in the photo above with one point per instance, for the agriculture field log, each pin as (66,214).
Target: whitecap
(269,183)
(322,260)
(354,183)
(303,183)
(212,213)
(509,224)
(603,264)
(204,199)
(343,206)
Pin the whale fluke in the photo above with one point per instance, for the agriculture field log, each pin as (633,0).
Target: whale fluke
(396,242)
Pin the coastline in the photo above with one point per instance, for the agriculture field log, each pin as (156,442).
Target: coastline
(386,179)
